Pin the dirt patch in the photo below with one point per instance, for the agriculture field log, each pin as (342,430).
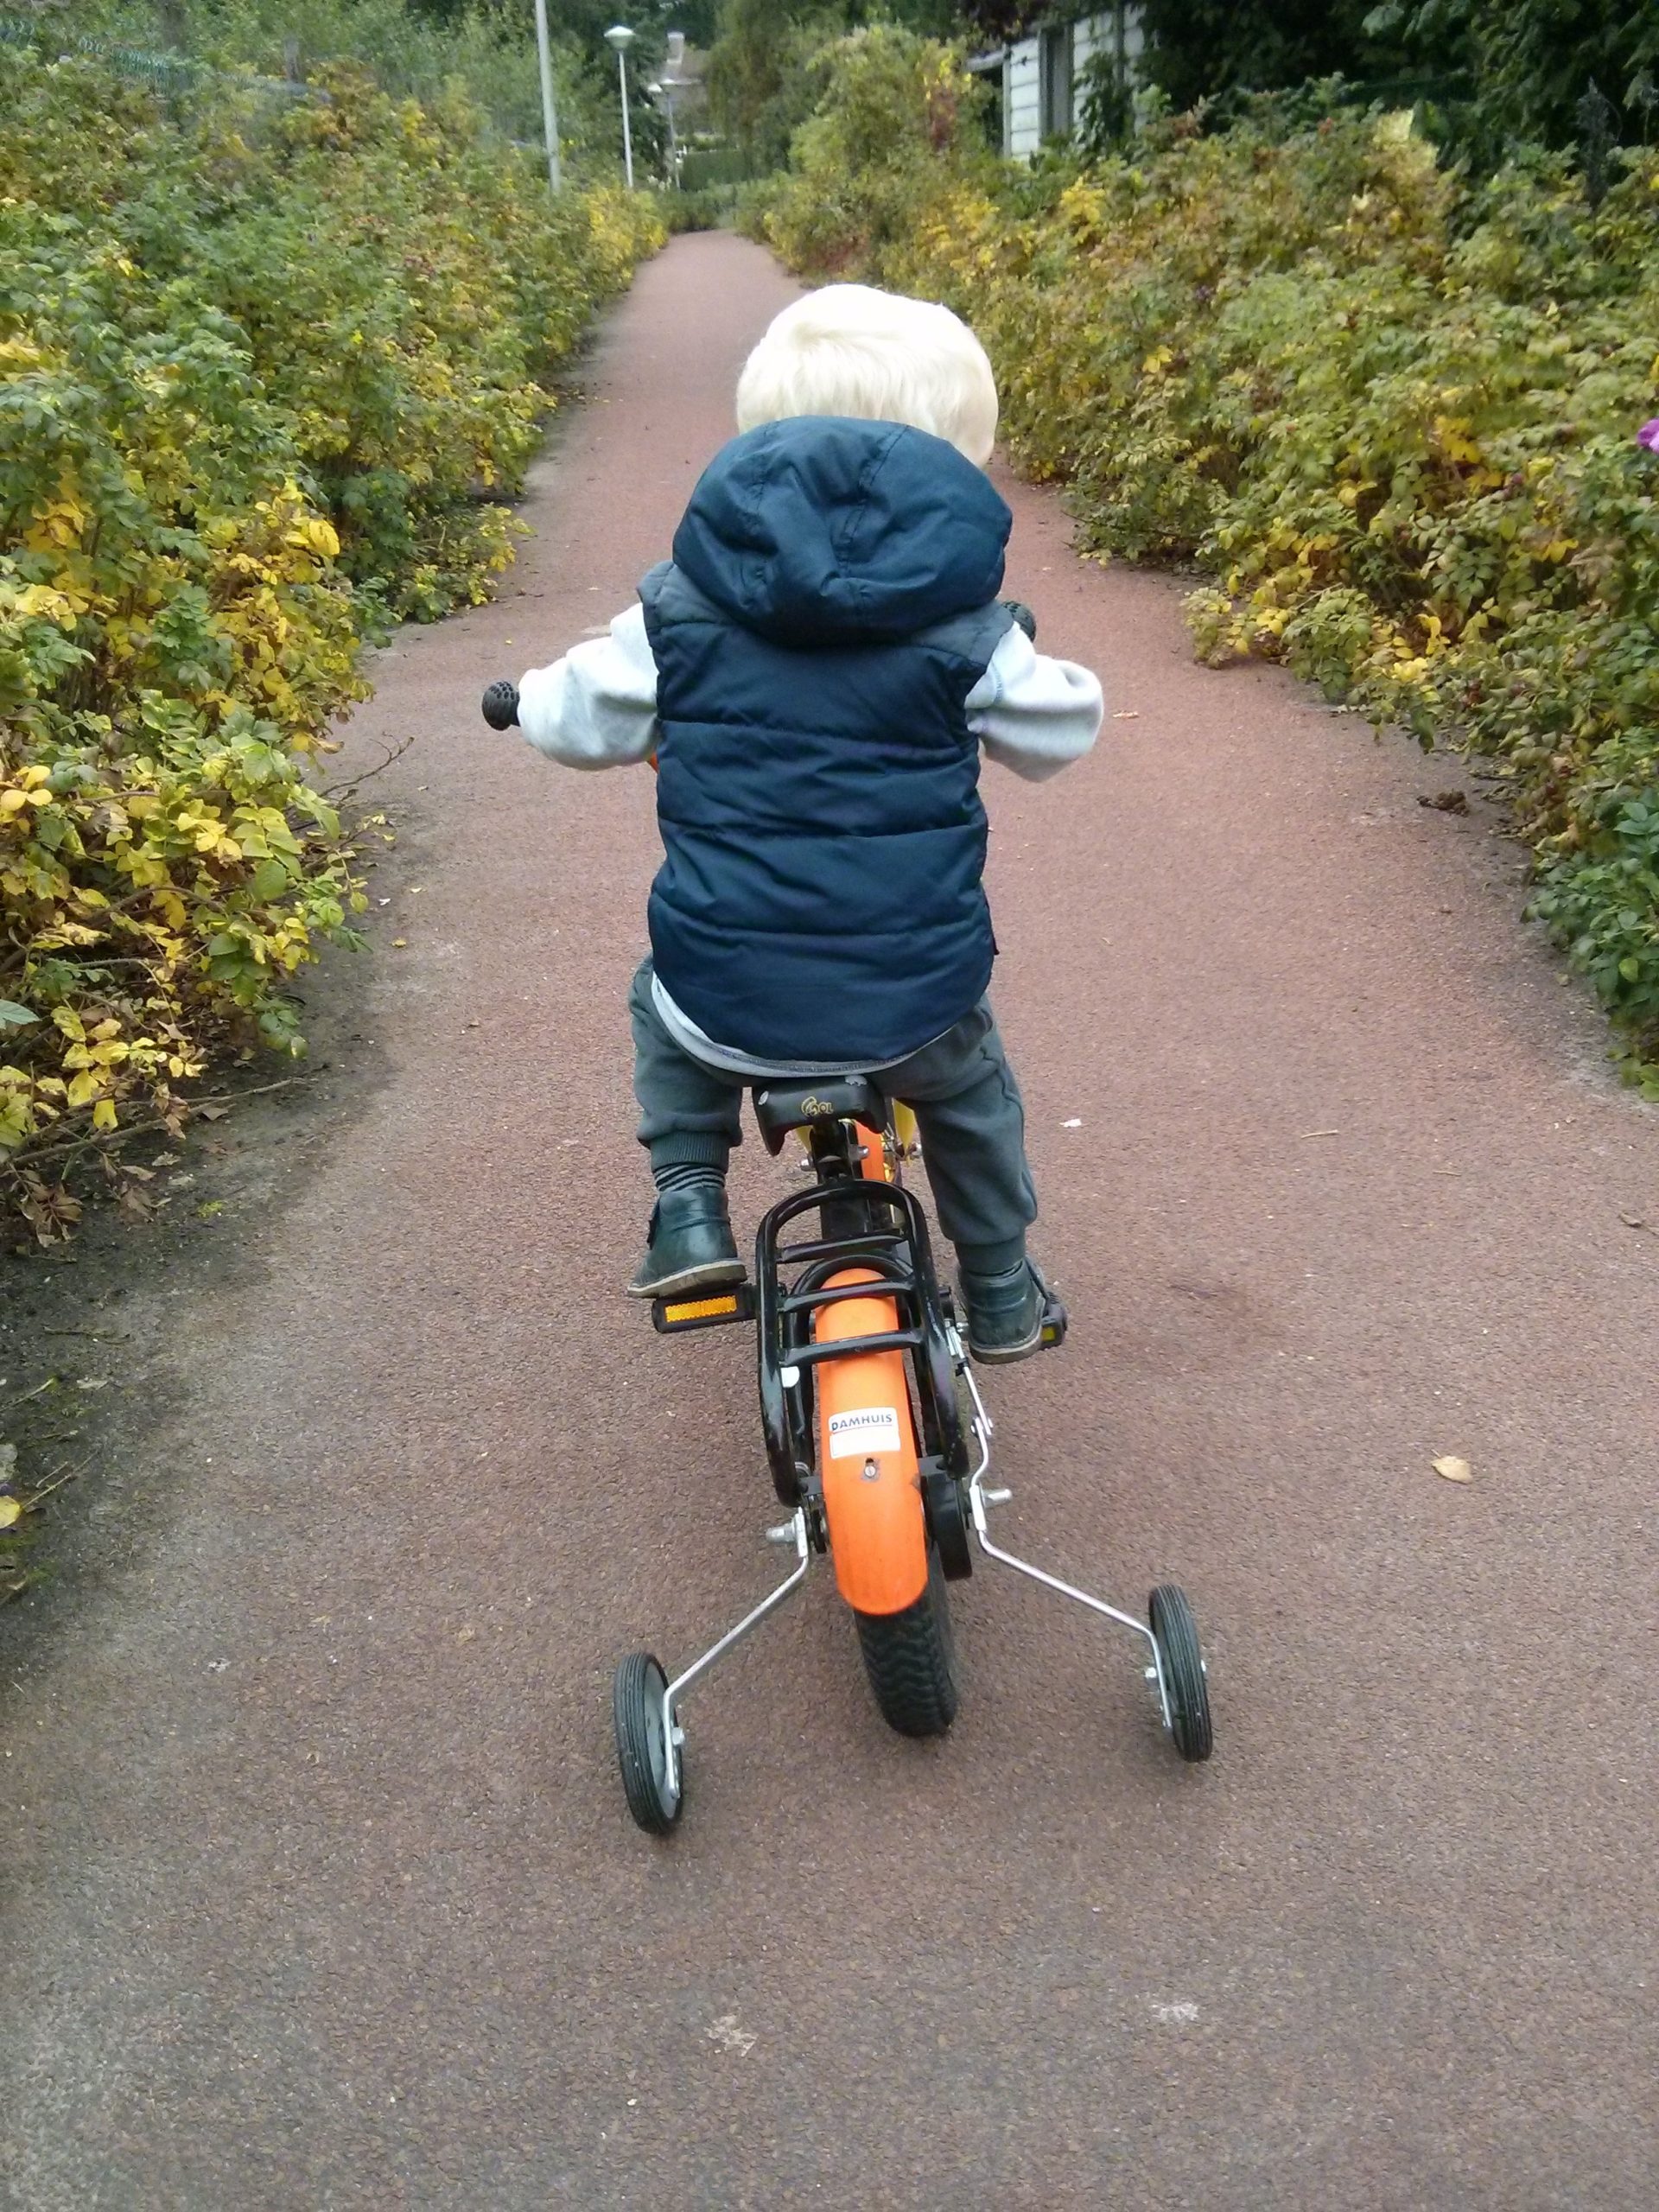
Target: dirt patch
(92,1332)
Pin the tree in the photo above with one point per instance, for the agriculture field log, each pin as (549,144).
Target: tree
(1198,49)
(761,85)
(1533,62)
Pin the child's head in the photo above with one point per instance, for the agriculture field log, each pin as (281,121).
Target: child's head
(850,350)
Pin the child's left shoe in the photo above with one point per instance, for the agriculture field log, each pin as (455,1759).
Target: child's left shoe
(690,1247)
(1005,1313)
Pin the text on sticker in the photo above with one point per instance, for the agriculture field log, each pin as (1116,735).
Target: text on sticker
(867,1428)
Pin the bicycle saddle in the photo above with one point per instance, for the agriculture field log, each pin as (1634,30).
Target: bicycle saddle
(783,1106)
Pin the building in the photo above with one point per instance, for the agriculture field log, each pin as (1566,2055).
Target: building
(1039,80)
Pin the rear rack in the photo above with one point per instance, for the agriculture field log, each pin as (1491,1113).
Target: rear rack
(899,1258)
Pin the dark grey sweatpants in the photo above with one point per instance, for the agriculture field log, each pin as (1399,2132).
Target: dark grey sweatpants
(968,1110)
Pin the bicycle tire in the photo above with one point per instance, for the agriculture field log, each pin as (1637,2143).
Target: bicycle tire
(909,1660)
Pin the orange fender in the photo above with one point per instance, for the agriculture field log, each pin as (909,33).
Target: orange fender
(867,1459)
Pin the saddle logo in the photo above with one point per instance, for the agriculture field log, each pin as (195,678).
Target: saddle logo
(818,1108)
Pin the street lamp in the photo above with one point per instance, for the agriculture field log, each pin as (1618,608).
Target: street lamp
(670,83)
(619,38)
(664,92)
(550,119)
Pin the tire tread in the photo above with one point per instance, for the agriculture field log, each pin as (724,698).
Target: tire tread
(911,1661)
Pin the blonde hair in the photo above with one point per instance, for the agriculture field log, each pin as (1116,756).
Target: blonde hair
(848,349)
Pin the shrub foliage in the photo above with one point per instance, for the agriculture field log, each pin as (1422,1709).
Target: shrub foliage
(264,375)
(1393,413)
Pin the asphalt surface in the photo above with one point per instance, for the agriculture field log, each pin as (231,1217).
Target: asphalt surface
(322,1890)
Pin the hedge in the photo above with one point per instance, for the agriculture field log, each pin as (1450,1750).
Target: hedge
(266,374)
(1402,418)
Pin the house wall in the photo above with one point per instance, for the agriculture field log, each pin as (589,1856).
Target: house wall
(1022,122)
(1096,34)
(1022,104)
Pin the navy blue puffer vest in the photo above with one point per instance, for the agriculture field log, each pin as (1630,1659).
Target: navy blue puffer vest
(830,606)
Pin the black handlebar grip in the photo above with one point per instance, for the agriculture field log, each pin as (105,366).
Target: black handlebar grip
(501,706)
(1023,617)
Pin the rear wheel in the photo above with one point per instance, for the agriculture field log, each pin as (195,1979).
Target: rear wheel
(910,1658)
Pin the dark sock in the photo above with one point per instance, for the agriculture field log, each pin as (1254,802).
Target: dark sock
(999,1259)
(687,1175)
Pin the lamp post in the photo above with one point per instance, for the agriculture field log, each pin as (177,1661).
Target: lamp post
(549,118)
(670,83)
(619,38)
(664,92)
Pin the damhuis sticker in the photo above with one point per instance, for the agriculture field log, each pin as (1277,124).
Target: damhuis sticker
(867,1428)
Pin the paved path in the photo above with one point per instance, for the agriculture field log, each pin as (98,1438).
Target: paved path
(327,1897)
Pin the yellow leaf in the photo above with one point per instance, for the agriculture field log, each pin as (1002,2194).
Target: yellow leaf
(1455,1470)
(10,1513)
(103,1114)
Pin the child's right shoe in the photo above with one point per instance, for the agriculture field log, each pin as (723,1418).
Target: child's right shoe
(690,1245)
(1004,1313)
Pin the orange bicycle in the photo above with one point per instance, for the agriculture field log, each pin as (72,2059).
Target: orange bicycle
(879,1441)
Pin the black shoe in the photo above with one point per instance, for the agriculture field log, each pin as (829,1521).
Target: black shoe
(1005,1313)
(691,1244)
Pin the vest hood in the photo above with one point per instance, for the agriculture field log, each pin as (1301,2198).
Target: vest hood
(821,530)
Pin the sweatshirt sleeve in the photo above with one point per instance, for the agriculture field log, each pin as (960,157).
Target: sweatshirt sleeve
(1033,714)
(597,707)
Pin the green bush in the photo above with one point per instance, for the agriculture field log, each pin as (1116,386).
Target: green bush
(1393,412)
(891,134)
(711,207)
(266,373)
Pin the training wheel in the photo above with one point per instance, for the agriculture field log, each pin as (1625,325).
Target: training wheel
(1176,1634)
(641,1747)
(947,1519)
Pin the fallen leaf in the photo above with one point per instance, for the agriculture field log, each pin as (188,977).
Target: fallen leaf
(466,1635)
(1455,1470)
(10,1512)
(94,1382)
(398,944)
(213,1113)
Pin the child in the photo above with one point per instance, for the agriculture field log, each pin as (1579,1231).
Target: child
(816,672)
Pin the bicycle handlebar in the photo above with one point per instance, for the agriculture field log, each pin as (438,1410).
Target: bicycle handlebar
(501,705)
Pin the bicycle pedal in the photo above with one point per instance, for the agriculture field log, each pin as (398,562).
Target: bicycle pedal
(708,1309)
